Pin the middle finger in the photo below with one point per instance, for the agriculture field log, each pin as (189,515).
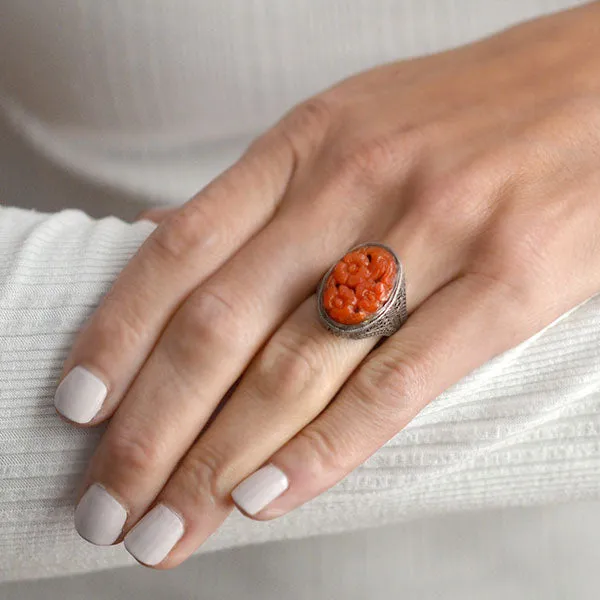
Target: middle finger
(288,384)
(201,354)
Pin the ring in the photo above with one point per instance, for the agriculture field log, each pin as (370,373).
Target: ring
(364,293)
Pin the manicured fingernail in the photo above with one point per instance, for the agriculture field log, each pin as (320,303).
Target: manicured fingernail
(154,536)
(80,395)
(260,489)
(99,518)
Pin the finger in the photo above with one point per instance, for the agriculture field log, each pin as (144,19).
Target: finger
(463,325)
(274,400)
(189,245)
(294,377)
(203,351)
(156,215)
(214,335)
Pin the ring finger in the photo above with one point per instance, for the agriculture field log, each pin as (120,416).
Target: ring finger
(204,349)
(288,384)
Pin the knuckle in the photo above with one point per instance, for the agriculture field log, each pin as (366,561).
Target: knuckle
(410,146)
(514,260)
(368,160)
(311,118)
(324,451)
(134,454)
(188,231)
(116,326)
(289,366)
(389,387)
(208,306)
(463,193)
(442,193)
(207,316)
(199,477)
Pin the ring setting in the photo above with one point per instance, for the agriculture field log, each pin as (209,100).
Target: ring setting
(364,293)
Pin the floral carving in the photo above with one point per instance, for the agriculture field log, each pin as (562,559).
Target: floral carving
(359,285)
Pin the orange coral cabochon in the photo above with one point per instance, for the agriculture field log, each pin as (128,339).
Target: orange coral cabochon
(359,285)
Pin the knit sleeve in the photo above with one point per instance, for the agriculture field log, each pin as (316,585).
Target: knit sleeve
(520,430)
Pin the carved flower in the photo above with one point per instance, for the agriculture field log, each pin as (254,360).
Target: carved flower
(371,295)
(359,285)
(340,303)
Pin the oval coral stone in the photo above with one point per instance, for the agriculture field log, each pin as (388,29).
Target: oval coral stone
(359,285)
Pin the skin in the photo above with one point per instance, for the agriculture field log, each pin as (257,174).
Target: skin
(479,166)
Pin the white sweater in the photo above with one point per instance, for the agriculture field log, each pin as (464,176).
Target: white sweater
(177,91)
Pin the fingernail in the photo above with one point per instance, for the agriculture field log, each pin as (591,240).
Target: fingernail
(80,395)
(154,536)
(99,518)
(260,489)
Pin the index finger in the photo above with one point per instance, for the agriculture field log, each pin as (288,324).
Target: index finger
(187,247)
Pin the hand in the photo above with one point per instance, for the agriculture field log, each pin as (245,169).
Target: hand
(479,166)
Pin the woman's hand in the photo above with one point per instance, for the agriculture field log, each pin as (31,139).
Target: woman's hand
(479,166)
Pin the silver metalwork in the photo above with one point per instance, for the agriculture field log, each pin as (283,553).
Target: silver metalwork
(386,321)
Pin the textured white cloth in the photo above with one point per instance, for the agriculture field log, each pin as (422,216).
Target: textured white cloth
(154,99)
(521,430)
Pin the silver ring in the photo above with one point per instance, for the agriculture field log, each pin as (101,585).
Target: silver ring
(373,273)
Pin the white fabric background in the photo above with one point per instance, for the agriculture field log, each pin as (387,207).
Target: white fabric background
(523,430)
(545,553)
(154,97)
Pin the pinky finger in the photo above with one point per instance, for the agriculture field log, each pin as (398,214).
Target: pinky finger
(439,344)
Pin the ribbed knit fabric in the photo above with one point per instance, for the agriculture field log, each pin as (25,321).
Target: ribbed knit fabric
(521,430)
(155,98)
